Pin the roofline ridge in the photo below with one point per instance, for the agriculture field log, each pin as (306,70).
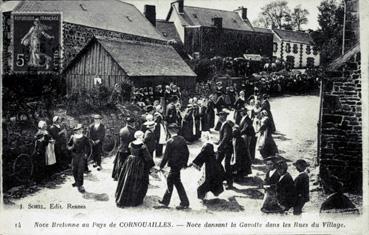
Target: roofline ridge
(130,41)
(212,9)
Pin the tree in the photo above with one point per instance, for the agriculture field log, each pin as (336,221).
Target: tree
(299,17)
(261,22)
(329,36)
(275,14)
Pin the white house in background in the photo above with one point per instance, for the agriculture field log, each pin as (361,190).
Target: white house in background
(296,48)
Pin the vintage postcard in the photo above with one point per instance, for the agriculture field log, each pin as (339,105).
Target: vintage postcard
(184,117)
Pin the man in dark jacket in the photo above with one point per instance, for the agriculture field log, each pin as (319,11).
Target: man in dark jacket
(97,136)
(150,138)
(171,111)
(79,147)
(225,146)
(126,136)
(286,192)
(302,186)
(247,131)
(176,155)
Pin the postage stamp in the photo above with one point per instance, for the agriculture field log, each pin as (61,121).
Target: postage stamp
(37,41)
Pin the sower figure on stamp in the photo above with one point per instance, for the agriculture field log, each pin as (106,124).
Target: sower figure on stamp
(80,149)
(225,146)
(176,155)
(126,136)
(97,135)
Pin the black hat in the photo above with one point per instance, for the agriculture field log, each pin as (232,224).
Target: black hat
(222,113)
(301,162)
(173,126)
(148,108)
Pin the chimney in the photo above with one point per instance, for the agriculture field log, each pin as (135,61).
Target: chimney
(179,5)
(218,22)
(150,14)
(242,11)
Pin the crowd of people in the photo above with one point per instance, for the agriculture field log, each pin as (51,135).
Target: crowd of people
(227,160)
(167,131)
(272,83)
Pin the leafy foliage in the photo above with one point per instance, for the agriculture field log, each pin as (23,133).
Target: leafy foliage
(299,17)
(277,14)
(329,37)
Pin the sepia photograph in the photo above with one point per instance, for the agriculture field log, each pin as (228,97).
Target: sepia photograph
(184,116)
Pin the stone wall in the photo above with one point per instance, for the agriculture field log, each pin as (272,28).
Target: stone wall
(341,128)
(211,41)
(77,36)
(352,30)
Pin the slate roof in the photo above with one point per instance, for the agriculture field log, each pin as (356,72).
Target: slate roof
(168,30)
(200,16)
(294,36)
(142,59)
(262,30)
(112,15)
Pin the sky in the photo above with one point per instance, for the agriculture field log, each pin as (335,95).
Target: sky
(253,6)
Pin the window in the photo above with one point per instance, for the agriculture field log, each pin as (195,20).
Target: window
(295,48)
(288,47)
(290,61)
(310,62)
(275,47)
(315,50)
(308,49)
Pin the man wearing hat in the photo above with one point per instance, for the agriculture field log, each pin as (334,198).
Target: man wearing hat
(79,146)
(176,91)
(286,191)
(176,155)
(160,131)
(97,135)
(126,136)
(167,94)
(59,136)
(247,130)
(171,112)
(270,201)
(149,137)
(225,146)
(301,185)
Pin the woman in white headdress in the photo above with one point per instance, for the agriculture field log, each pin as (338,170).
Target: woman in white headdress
(44,154)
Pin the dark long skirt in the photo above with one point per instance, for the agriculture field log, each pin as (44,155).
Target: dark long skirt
(133,183)
(120,158)
(214,185)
